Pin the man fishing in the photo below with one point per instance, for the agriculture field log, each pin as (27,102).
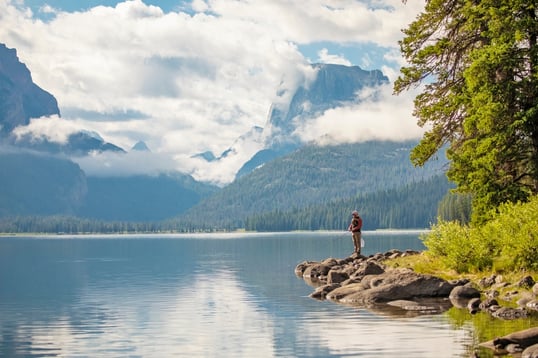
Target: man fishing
(355,227)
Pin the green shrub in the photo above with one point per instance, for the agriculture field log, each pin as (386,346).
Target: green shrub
(509,241)
(516,227)
(454,245)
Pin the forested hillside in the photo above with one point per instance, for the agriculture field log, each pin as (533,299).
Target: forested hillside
(312,175)
(32,184)
(411,206)
(141,198)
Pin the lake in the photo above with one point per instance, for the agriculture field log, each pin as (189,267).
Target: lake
(201,295)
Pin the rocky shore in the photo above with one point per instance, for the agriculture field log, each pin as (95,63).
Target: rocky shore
(368,282)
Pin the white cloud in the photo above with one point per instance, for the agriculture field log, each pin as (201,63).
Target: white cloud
(203,78)
(325,57)
(51,128)
(387,117)
(131,163)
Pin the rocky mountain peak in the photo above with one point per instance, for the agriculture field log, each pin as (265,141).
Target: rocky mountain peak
(21,99)
(333,86)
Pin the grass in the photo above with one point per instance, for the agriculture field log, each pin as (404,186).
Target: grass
(425,263)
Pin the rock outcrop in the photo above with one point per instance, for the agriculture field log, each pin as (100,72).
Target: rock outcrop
(20,99)
(524,342)
(367,282)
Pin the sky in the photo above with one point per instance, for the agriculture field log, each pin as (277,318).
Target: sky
(187,77)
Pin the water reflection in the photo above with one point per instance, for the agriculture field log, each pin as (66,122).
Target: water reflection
(197,297)
(367,335)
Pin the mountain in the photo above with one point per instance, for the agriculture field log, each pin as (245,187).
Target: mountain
(333,86)
(41,184)
(412,206)
(37,179)
(142,197)
(20,98)
(141,147)
(314,175)
(79,143)
(37,184)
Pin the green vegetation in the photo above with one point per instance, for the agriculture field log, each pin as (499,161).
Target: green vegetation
(480,64)
(315,175)
(455,207)
(509,242)
(506,244)
(410,206)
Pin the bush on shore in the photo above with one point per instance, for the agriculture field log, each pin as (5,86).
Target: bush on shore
(506,243)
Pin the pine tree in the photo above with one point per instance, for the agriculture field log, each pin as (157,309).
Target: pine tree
(478,61)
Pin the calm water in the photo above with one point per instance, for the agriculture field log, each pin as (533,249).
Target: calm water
(218,295)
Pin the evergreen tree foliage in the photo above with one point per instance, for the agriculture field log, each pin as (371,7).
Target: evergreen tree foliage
(311,176)
(455,207)
(412,206)
(506,243)
(479,65)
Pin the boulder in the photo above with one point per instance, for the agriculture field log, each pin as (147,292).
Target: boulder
(316,270)
(513,342)
(526,282)
(321,292)
(392,285)
(532,305)
(509,313)
(530,352)
(330,262)
(487,304)
(368,268)
(344,291)
(299,269)
(487,282)
(460,296)
(464,292)
(473,305)
(336,276)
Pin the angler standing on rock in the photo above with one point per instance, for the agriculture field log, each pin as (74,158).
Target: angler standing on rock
(355,227)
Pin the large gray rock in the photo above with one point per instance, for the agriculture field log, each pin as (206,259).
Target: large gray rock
(336,276)
(513,342)
(509,313)
(391,285)
(369,268)
(316,270)
(464,292)
(321,292)
(530,352)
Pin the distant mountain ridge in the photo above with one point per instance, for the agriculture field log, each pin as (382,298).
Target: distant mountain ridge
(41,184)
(283,174)
(21,100)
(333,86)
(314,175)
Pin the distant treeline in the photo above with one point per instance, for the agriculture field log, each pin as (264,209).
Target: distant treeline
(413,206)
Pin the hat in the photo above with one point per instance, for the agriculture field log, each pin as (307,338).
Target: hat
(355,213)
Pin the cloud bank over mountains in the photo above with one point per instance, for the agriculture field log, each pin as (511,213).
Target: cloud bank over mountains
(195,79)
